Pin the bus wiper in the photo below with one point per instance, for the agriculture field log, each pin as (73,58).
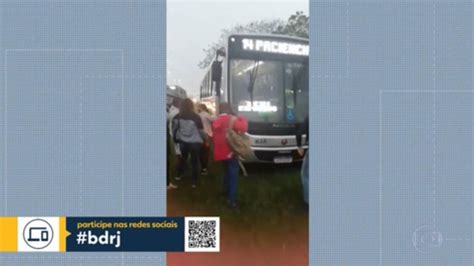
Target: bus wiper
(252,77)
(294,87)
(295,81)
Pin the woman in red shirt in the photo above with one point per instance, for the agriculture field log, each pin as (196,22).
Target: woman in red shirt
(223,151)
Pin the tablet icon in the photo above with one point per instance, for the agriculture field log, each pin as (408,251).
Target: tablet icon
(38,234)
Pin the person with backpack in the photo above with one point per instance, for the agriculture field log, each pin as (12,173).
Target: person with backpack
(189,133)
(227,123)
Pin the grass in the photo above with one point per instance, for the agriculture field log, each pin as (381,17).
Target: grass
(270,197)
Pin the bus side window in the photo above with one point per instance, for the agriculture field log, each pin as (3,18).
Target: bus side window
(207,84)
(211,86)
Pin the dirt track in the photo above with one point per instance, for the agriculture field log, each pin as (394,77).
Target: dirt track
(271,247)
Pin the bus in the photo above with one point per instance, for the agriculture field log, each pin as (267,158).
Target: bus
(174,91)
(265,79)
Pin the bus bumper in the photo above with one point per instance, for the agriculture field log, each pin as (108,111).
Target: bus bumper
(272,155)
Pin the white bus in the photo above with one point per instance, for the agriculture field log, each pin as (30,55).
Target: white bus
(174,91)
(265,79)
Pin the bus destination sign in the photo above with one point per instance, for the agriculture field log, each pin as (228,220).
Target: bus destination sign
(275,46)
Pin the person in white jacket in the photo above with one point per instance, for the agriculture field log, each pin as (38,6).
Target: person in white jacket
(207,120)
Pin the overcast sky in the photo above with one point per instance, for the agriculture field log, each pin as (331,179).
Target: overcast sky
(193,25)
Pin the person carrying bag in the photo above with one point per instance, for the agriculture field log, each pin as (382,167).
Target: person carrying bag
(189,136)
(229,145)
(239,142)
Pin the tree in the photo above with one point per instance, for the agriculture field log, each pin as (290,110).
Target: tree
(297,25)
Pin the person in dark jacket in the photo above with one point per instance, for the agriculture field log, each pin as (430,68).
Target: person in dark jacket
(172,111)
(174,105)
(303,129)
(188,132)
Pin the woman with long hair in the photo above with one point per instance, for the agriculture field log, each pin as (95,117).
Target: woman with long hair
(189,134)
(207,120)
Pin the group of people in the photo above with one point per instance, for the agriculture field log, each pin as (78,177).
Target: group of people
(192,131)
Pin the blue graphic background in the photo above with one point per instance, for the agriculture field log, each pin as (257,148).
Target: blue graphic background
(82,115)
(391,122)
(82,124)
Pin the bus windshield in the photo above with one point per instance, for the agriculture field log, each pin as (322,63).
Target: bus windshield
(270,91)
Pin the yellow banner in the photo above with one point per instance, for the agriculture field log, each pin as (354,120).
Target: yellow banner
(8,234)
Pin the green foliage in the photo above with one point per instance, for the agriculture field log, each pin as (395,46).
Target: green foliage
(271,196)
(297,25)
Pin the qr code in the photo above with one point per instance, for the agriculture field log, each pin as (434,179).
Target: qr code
(202,234)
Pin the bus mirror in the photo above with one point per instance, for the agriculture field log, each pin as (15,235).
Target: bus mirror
(216,71)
